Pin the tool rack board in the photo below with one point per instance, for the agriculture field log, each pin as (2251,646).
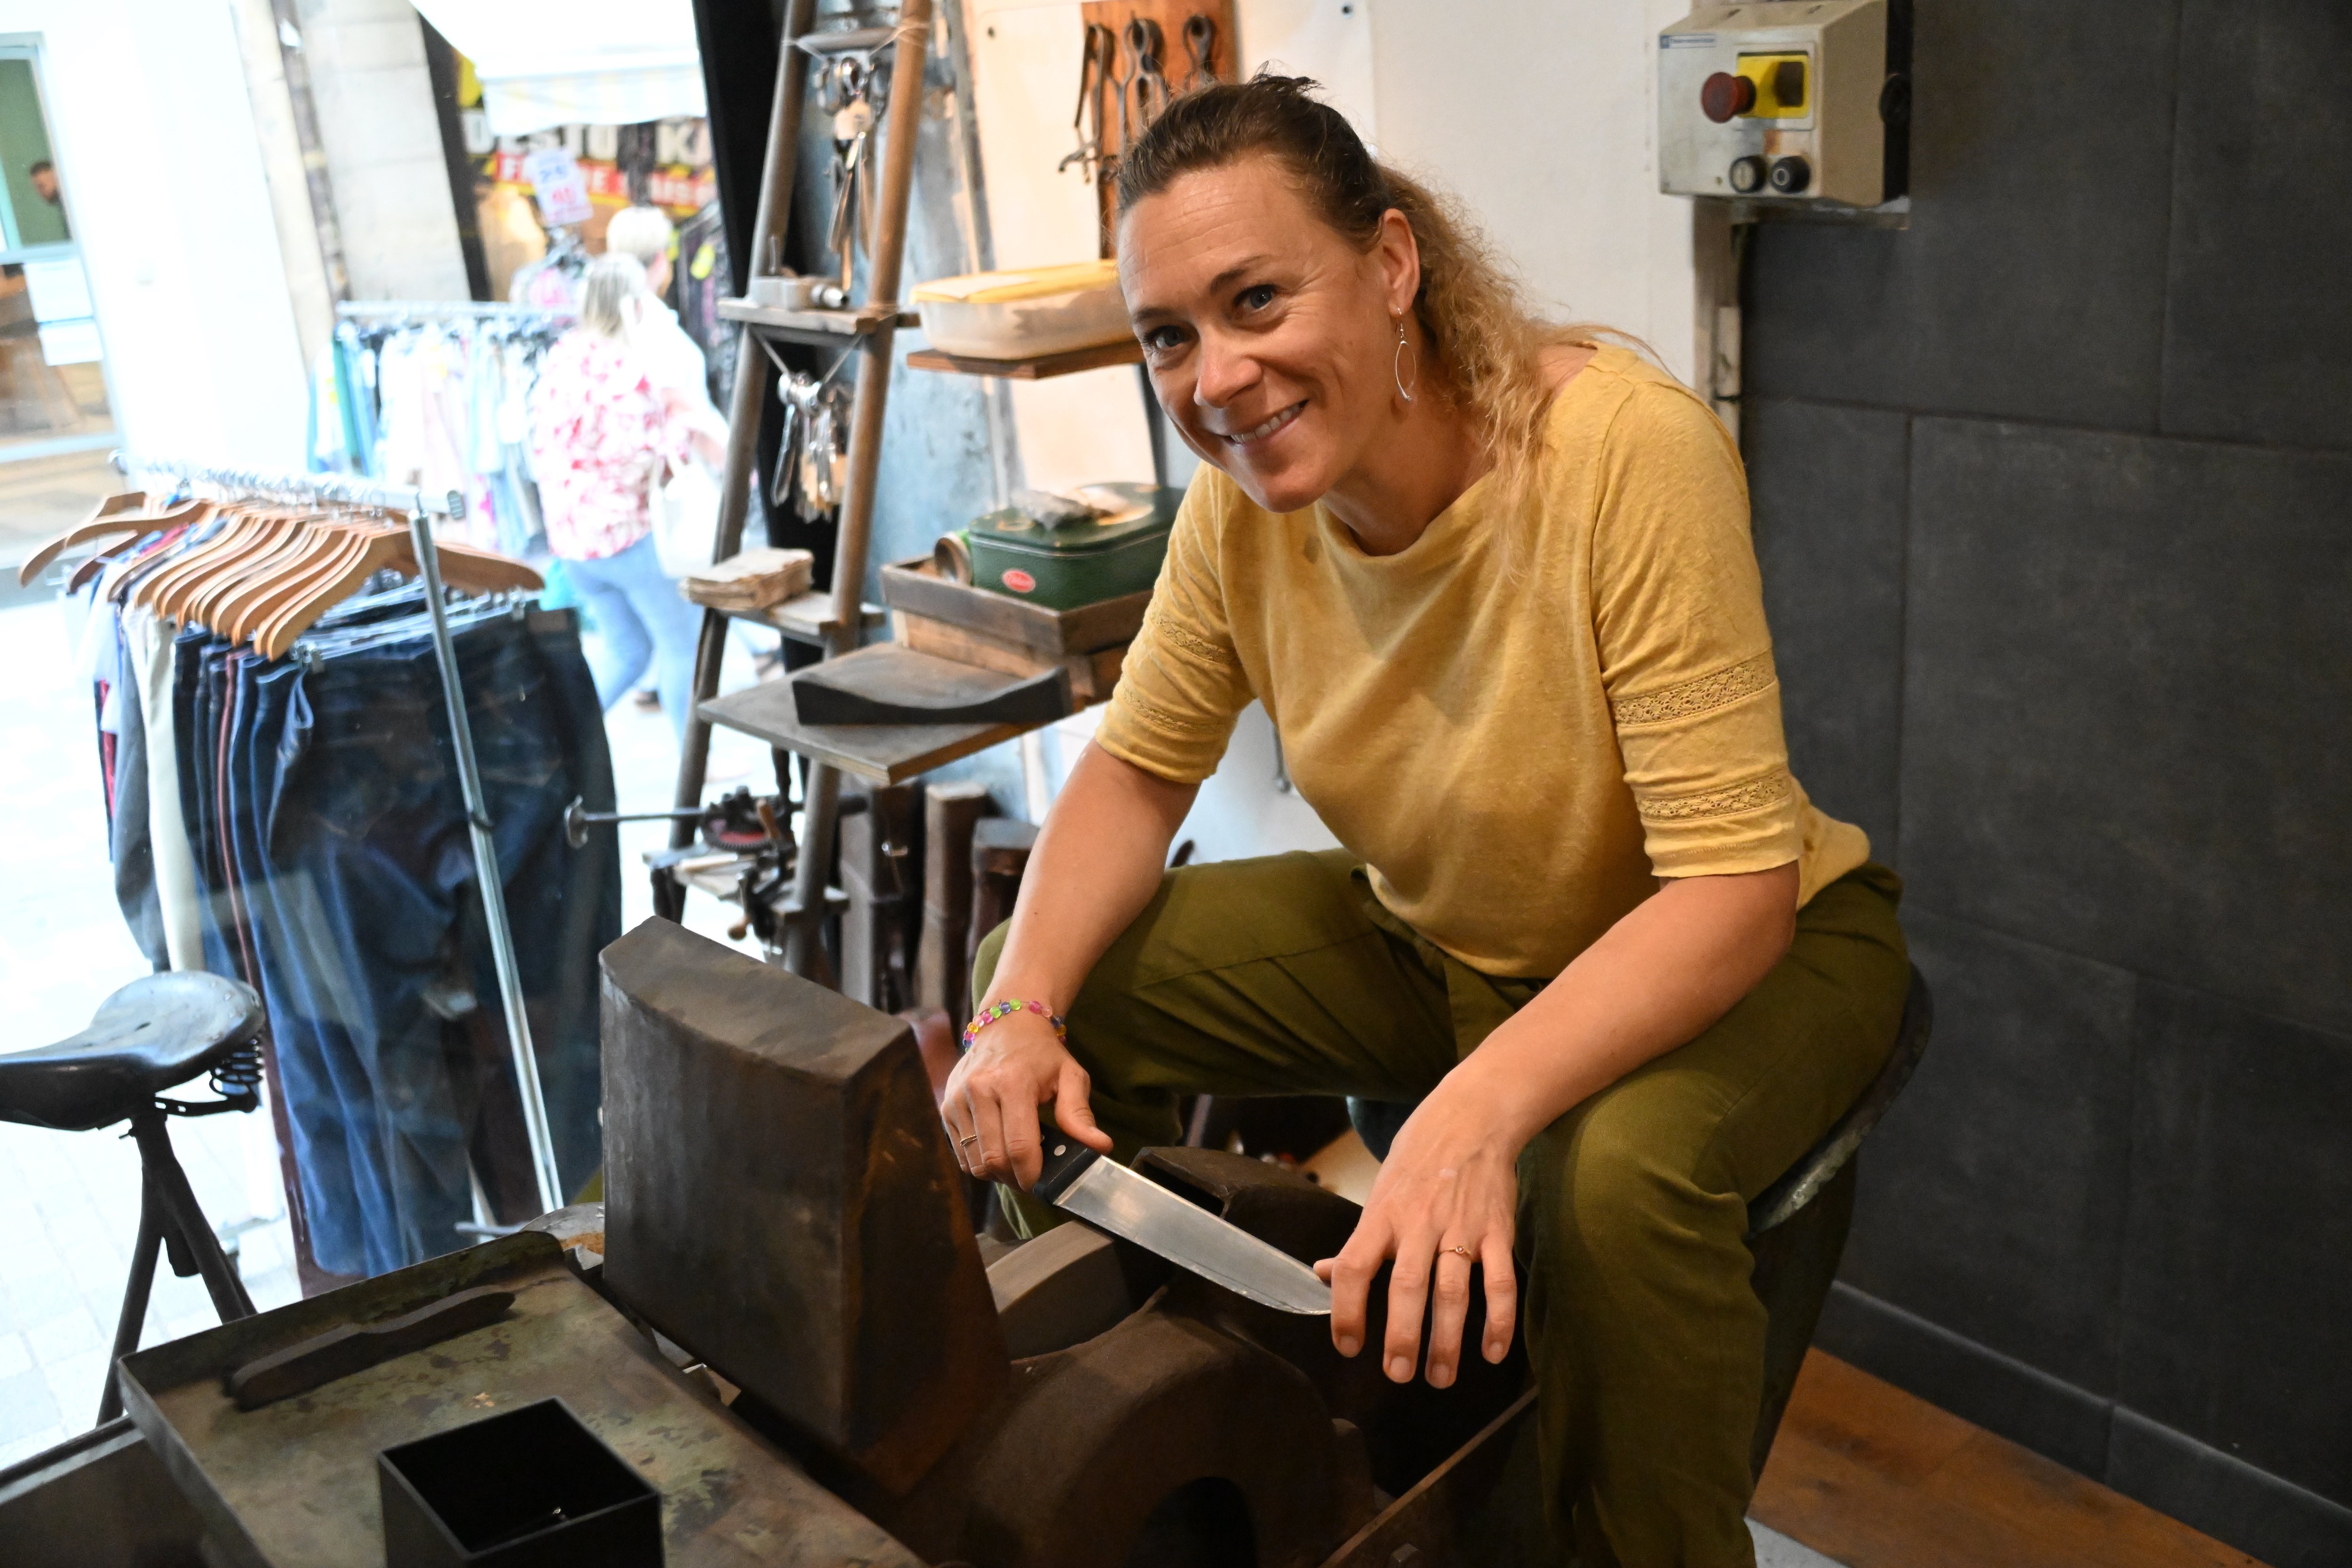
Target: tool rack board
(1172,15)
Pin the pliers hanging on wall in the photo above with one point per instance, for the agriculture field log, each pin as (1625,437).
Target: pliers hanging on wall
(1094,70)
(1145,41)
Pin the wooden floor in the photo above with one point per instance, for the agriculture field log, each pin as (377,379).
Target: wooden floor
(1875,1478)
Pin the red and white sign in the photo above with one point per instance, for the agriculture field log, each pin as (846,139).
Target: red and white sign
(677,186)
(555,180)
(1020,582)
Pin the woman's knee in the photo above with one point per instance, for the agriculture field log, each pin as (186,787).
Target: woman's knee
(1607,1186)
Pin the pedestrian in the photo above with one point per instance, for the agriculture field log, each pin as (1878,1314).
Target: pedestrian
(603,425)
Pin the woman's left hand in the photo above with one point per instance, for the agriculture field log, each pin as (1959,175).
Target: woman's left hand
(1444,1198)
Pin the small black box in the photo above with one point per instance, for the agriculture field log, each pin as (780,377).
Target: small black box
(530,1488)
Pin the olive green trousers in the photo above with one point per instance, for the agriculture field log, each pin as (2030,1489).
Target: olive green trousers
(1285,975)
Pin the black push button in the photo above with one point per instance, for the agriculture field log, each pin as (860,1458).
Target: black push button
(1790,175)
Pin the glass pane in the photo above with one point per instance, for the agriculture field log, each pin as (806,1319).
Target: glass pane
(37,206)
(52,379)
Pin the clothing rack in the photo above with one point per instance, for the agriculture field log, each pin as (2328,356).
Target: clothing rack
(445,311)
(421,510)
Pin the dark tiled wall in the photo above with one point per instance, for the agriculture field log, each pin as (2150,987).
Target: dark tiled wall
(2053,496)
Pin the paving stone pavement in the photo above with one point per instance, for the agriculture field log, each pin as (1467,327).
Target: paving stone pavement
(69,1201)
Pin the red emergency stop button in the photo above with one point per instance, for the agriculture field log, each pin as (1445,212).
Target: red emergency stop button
(1724,95)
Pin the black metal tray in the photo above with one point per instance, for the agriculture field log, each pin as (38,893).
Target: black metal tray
(293,1485)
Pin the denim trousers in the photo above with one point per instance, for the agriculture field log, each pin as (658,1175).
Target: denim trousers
(639,617)
(339,878)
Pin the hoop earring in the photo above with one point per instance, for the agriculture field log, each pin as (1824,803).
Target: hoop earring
(1403,391)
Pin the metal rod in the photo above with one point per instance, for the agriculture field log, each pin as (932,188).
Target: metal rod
(486,873)
(906,117)
(313,487)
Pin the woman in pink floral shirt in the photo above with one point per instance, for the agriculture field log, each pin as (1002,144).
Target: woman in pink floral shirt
(600,431)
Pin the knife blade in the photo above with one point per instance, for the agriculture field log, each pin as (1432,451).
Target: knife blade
(1107,1194)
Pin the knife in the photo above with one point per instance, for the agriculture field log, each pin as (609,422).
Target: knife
(1107,1194)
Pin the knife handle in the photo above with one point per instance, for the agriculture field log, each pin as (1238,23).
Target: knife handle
(1066,1159)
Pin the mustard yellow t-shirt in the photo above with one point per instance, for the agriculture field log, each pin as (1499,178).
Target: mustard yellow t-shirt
(1520,720)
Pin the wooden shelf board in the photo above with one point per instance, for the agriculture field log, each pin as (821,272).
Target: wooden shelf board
(814,326)
(807,617)
(881,753)
(1127,351)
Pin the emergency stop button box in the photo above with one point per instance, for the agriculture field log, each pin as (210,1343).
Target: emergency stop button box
(1776,99)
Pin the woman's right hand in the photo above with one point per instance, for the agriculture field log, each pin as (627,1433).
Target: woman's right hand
(1015,1065)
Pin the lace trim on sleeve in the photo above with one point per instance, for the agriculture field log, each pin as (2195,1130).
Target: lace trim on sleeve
(1719,689)
(1190,641)
(1159,718)
(1769,790)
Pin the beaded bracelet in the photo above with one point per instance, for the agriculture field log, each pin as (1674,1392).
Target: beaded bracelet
(1006,1009)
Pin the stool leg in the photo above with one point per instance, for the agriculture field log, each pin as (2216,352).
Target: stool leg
(169,1184)
(135,1292)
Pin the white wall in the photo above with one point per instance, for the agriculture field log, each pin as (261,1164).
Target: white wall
(383,140)
(154,141)
(1074,429)
(1537,113)
(1543,123)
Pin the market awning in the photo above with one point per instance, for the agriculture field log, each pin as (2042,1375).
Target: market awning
(596,62)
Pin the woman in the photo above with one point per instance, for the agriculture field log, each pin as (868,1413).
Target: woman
(601,427)
(1493,582)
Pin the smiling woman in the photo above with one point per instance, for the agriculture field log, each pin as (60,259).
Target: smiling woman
(1492,580)
(1447,303)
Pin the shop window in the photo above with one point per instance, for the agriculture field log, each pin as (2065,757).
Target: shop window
(53,395)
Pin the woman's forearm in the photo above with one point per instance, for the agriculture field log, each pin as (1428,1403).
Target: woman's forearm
(1675,963)
(1097,862)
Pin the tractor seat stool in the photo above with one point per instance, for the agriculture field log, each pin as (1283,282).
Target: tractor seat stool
(1796,1227)
(155,1034)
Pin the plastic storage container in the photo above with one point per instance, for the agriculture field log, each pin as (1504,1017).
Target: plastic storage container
(1085,563)
(1023,315)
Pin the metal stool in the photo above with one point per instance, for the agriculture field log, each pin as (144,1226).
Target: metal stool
(1796,1226)
(156,1033)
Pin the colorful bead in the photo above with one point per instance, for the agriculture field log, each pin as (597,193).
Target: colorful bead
(1006,1009)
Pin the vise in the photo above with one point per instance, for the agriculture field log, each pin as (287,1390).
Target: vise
(781,1203)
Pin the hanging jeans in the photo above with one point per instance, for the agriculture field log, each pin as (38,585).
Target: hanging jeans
(342,883)
(639,616)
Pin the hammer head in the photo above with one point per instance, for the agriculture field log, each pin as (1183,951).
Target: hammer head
(780,1199)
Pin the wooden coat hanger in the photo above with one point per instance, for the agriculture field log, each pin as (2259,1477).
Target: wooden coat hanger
(186,515)
(463,567)
(211,518)
(320,559)
(157,591)
(287,619)
(285,536)
(106,518)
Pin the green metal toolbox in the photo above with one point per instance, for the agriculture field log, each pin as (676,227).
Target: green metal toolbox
(1084,563)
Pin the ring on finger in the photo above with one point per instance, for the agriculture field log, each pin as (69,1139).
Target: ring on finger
(1467,1255)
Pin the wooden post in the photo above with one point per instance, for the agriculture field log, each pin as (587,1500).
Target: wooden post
(856,527)
(942,963)
(745,407)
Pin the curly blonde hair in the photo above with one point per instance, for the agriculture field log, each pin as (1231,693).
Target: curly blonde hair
(1488,345)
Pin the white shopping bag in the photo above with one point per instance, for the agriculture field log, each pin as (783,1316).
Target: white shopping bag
(685,518)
